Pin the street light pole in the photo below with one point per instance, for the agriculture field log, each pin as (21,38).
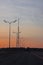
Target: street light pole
(18,32)
(9,33)
(9,29)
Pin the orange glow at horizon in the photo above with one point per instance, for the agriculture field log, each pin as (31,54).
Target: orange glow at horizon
(5,43)
(24,42)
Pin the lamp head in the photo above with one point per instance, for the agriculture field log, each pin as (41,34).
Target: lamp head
(14,21)
(5,21)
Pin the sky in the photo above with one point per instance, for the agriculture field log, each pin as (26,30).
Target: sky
(30,13)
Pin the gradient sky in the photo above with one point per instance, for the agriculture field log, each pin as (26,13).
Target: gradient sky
(30,13)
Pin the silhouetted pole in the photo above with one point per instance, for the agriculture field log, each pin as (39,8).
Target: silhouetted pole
(18,34)
(9,33)
(9,29)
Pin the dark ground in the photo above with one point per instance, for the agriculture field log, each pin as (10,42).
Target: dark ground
(21,56)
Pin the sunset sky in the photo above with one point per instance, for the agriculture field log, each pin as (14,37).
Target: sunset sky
(30,13)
